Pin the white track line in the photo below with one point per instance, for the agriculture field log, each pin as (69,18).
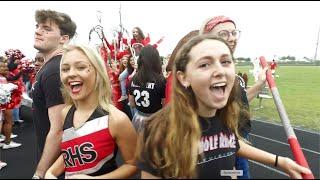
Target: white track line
(312,132)
(270,168)
(308,150)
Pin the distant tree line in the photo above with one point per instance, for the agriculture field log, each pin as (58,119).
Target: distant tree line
(285,60)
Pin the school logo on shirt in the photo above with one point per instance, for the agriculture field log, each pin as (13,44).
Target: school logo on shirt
(82,154)
(217,141)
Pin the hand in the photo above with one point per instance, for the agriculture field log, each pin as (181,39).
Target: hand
(262,76)
(293,169)
(79,176)
(49,175)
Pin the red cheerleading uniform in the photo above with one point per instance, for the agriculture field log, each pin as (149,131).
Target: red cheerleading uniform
(116,89)
(114,80)
(16,95)
(89,149)
(144,42)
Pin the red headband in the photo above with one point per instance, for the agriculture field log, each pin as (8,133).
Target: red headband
(215,21)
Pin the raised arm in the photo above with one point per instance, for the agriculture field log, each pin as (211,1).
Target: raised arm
(253,91)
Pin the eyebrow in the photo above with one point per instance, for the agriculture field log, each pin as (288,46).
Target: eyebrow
(210,57)
(226,55)
(78,62)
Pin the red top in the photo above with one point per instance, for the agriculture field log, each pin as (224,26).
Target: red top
(145,41)
(114,80)
(273,65)
(16,95)
(90,148)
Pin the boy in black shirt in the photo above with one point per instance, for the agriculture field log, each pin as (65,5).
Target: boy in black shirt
(53,30)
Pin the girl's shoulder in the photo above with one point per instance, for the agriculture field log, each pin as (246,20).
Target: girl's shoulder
(116,116)
(119,122)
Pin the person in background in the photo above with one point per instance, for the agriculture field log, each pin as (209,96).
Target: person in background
(13,76)
(273,66)
(130,70)
(147,88)
(93,128)
(132,67)
(3,73)
(38,62)
(113,73)
(122,78)
(2,163)
(245,79)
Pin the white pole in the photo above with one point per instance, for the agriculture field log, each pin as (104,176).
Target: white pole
(315,55)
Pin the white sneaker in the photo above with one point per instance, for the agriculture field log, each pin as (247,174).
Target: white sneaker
(3,137)
(1,144)
(19,121)
(12,144)
(13,136)
(2,165)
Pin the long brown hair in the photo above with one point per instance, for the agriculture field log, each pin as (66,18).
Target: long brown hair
(142,36)
(171,136)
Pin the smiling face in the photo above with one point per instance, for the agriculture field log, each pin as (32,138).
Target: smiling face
(133,63)
(211,74)
(124,60)
(78,75)
(135,33)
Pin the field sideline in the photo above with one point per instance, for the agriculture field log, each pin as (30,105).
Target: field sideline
(299,88)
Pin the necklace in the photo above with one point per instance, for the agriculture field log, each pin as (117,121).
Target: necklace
(81,118)
(55,54)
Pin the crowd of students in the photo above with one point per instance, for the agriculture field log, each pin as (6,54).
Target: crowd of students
(193,123)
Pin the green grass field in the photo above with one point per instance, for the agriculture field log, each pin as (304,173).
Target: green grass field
(299,88)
